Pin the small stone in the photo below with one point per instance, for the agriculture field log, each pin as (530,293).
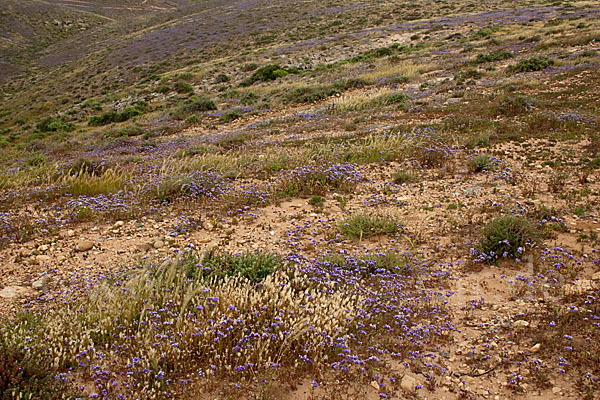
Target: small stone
(408,383)
(207,225)
(43,247)
(375,385)
(556,390)
(119,224)
(144,246)
(521,323)
(535,348)
(39,284)
(70,233)
(11,292)
(43,259)
(84,245)
(596,276)
(158,244)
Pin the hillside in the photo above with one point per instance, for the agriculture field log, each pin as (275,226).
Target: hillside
(299,200)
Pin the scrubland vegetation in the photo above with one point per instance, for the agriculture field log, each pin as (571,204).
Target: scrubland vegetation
(325,200)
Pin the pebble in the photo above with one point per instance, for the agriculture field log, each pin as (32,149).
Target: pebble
(521,323)
(84,245)
(11,292)
(408,383)
(158,244)
(535,348)
(39,284)
(43,259)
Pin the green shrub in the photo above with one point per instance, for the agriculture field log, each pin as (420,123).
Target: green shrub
(129,130)
(230,115)
(268,73)
(493,56)
(36,160)
(53,124)
(485,33)
(222,78)
(535,63)
(373,54)
(506,237)
(195,104)
(112,116)
(317,202)
(254,266)
(468,74)
(163,89)
(183,87)
(248,98)
(361,225)
(515,104)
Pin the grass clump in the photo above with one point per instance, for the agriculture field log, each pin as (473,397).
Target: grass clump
(253,266)
(506,237)
(193,185)
(90,183)
(535,63)
(515,104)
(362,225)
(403,176)
(317,179)
(481,162)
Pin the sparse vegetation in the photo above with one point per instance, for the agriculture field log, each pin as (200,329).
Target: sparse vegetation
(325,200)
(361,226)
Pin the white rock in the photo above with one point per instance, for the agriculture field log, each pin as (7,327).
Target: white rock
(119,224)
(521,323)
(158,244)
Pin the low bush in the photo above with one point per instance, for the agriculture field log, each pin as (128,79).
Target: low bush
(53,124)
(253,266)
(515,104)
(506,237)
(318,179)
(535,63)
(230,116)
(493,56)
(183,87)
(127,113)
(194,105)
(267,73)
(361,225)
